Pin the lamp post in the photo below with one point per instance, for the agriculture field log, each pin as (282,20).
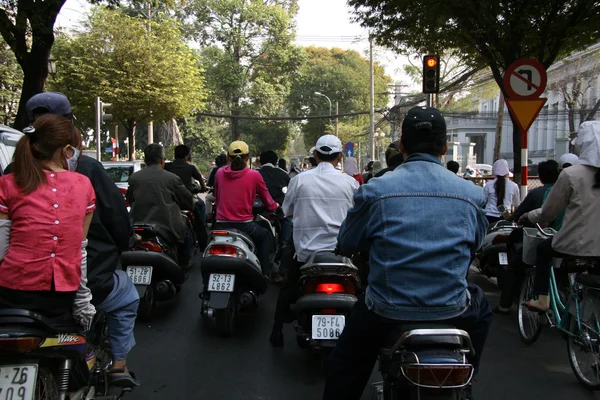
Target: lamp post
(330,106)
(52,66)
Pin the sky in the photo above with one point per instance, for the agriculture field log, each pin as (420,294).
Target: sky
(325,23)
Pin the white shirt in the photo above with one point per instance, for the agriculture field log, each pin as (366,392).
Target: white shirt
(512,196)
(318,200)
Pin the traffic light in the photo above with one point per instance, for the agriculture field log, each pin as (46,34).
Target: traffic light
(431,74)
(104,116)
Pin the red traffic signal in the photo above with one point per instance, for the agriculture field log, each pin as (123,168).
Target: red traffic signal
(431,74)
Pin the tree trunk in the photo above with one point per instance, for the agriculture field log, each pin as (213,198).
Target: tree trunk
(593,111)
(571,117)
(35,71)
(131,124)
(499,123)
(235,132)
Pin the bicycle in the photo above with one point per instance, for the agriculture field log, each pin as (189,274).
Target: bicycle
(576,315)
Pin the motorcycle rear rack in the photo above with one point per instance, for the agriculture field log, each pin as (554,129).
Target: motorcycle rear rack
(429,332)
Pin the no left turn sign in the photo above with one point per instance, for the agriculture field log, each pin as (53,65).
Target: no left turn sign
(525,79)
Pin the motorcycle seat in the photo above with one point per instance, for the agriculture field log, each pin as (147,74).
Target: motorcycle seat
(62,324)
(329,258)
(420,342)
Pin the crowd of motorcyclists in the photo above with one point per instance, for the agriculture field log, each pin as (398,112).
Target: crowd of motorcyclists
(70,262)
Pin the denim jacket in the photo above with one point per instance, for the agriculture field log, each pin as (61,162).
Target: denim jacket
(420,223)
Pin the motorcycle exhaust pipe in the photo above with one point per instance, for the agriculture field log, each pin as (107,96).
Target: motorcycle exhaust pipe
(165,290)
(247,299)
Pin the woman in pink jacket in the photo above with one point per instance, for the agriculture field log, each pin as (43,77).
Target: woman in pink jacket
(236,187)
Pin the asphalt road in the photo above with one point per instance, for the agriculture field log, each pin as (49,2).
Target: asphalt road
(176,357)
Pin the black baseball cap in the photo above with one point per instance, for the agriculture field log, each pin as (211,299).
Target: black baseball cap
(49,103)
(424,121)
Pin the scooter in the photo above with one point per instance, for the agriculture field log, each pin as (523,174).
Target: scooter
(153,266)
(232,274)
(327,292)
(492,257)
(45,358)
(425,361)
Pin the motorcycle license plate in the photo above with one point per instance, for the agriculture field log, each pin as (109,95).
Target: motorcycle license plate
(18,381)
(503,258)
(139,276)
(327,327)
(221,283)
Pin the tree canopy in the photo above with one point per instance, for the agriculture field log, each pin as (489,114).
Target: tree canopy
(248,56)
(143,68)
(343,76)
(488,32)
(11,79)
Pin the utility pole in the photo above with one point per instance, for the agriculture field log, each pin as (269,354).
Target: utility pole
(499,123)
(117,140)
(98,126)
(337,119)
(372,101)
(150,123)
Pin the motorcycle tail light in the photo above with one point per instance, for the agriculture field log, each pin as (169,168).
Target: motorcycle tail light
(19,344)
(330,288)
(151,246)
(329,311)
(226,250)
(321,286)
(439,375)
(500,239)
(219,233)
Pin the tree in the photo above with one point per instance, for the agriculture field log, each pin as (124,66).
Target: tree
(249,56)
(27,26)
(488,32)
(141,67)
(579,73)
(343,76)
(11,77)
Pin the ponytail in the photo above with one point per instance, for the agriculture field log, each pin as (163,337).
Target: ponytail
(238,163)
(28,169)
(500,187)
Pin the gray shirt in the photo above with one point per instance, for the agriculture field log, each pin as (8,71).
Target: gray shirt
(574,192)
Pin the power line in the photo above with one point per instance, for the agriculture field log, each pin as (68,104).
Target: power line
(282,118)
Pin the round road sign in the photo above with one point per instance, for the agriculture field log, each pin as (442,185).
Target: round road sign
(525,78)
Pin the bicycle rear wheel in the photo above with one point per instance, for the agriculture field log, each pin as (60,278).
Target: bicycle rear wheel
(584,351)
(530,323)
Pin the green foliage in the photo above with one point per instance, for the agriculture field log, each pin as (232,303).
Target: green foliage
(140,73)
(343,76)
(262,136)
(11,78)
(486,32)
(248,57)
(203,136)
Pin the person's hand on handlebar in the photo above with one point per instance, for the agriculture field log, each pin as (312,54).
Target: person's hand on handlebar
(524,219)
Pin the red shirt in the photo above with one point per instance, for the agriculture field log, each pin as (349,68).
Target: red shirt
(46,233)
(235,192)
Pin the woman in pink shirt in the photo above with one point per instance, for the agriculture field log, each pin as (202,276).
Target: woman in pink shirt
(236,187)
(46,210)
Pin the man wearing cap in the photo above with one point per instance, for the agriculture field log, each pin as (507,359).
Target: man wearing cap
(317,200)
(109,235)
(420,224)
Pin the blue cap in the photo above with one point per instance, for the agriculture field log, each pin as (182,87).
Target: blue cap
(49,103)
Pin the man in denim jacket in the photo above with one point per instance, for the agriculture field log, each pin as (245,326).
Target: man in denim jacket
(420,223)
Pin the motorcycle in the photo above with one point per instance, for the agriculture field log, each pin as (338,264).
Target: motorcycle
(153,266)
(492,257)
(327,290)
(51,359)
(232,273)
(425,361)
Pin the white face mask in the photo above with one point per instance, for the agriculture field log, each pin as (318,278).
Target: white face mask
(72,161)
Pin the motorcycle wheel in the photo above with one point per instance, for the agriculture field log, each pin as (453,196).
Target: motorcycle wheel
(147,305)
(45,386)
(225,318)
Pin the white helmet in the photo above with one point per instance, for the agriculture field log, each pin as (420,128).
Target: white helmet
(567,158)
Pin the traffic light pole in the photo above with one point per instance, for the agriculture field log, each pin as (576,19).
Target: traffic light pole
(98,123)
(428,99)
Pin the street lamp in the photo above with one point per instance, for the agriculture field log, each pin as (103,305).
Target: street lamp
(328,99)
(52,66)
